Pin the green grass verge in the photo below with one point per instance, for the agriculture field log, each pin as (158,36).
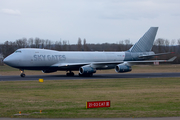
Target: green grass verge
(151,97)
(6,68)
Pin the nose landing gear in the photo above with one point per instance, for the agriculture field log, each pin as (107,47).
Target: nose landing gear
(22,73)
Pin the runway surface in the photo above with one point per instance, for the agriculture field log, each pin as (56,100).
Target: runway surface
(95,76)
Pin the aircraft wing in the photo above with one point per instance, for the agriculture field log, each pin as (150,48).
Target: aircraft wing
(146,61)
(88,63)
(143,56)
(130,63)
(95,64)
(69,64)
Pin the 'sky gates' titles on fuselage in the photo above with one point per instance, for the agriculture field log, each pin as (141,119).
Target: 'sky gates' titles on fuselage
(49,57)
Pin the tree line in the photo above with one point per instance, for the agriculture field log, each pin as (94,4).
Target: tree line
(160,46)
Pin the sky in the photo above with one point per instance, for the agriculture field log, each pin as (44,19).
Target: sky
(97,21)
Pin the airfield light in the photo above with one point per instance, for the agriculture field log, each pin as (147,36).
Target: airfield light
(41,80)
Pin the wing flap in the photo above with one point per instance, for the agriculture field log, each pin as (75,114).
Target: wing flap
(146,61)
(143,56)
(130,63)
(88,63)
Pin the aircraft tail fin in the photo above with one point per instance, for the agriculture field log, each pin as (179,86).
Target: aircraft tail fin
(145,43)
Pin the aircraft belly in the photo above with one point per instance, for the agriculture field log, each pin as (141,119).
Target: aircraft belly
(109,66)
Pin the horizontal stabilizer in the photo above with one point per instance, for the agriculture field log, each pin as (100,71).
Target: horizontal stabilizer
(172,59)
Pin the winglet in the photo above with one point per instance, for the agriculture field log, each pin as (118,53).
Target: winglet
(172,59)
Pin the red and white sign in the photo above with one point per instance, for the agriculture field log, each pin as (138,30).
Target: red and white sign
(97,104)
(156,63)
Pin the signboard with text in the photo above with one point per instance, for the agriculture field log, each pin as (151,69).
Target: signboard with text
(97,104)
(156,63)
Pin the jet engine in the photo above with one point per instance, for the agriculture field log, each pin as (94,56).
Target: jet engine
(87,70)
(122,68)
(49,71)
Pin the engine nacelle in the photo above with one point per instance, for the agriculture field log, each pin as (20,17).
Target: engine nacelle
(86,70)
(49,71)
(122,68)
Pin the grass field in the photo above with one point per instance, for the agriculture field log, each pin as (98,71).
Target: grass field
(145,97)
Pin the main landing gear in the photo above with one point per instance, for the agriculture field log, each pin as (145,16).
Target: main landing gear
(22,73)
(70,74)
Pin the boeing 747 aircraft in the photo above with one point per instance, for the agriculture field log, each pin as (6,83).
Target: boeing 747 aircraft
(85,62)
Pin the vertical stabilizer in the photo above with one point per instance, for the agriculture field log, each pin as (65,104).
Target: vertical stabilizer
(145,43)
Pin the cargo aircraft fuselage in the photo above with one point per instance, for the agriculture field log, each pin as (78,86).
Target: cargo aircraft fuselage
(85,62)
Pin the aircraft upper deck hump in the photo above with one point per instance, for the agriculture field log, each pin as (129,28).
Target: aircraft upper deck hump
(145,43)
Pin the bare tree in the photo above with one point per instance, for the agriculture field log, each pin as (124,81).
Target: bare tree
(79,45)
(85,45)
(64,45)
(37,42)
(173,41)
(58,45)
(30,42)
(127,44)
(167,45)
(121,45)
(42,43)
(68,46)
(19,43)
(159,43)
(8,48)
(178,41)
(49,44)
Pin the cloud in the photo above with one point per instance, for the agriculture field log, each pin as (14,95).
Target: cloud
(138,9)
(11,11)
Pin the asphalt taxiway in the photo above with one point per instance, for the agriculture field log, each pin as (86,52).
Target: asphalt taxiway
(95,76)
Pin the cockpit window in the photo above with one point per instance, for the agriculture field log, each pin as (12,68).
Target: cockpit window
(17,51)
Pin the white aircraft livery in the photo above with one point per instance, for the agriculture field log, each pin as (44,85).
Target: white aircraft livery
(85,62)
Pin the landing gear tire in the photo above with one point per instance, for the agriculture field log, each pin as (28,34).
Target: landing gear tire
(70,74)
(22,75)
(80,75)
(91,74)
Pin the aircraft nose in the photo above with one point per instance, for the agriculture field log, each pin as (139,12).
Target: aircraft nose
(7,60)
